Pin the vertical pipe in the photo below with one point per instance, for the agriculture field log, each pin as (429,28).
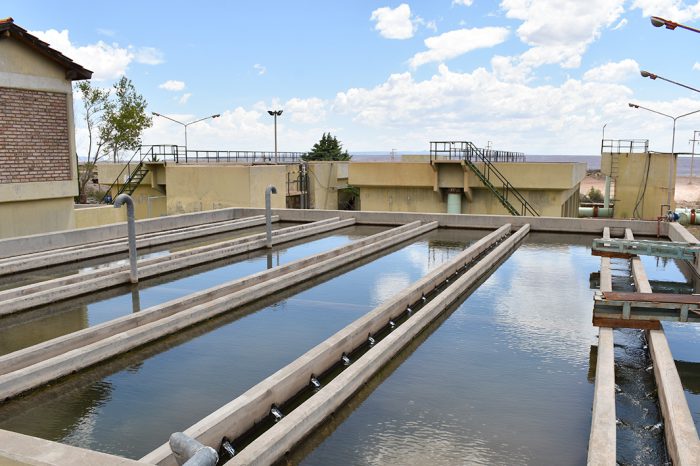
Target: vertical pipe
(268,213)
(606,199)
(671,165)
(131,228)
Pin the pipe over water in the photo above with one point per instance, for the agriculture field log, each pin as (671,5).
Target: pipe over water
(189,452)
(131,228)
(268,214)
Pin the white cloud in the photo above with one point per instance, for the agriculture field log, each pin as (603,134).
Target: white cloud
(184,98)
(394,23)
(560,32)
(107,61)
(463,2)
(613,71)
(460,41)
(696,66)
(260,68)
(172,85)
(148,55)
(311,110)
(620,25)
(674,10)
(106,32)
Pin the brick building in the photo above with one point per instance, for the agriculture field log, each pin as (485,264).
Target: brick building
(38,170)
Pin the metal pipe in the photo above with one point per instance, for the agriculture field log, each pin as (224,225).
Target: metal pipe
(189,452)
(606,199)
(595,211)
(268,213)
(131,228)
(688,216)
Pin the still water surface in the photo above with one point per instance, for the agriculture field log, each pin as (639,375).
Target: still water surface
(131,405)
(506,379)
(50,321)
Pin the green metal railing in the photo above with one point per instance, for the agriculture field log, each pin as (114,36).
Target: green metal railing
(465,151)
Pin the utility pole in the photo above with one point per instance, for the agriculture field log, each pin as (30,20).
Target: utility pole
(692,155)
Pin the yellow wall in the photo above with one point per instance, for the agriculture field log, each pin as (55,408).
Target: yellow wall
(97,216)
(37,216)
(324,184)
(192,188)
(629,172)
(552,188)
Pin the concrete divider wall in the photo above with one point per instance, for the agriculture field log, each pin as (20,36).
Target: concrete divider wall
(44,371)
(28,296)
(280,438)
(544,224)
(43,242)
(234,418)
(682,440)
(66,238)
(602,443)
(37,260)
(18,449)
(51,348)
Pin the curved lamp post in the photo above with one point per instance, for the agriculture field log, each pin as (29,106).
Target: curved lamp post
(658,22)
(185,124)
(275,114)
(652,76)
(673,142)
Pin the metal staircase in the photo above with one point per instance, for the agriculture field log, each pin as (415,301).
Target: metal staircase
(135,170)
(514,202)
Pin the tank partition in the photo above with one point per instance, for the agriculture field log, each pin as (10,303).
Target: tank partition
(37,365)
(681,436)
(381,332)
(28,296)
(37,260)
(602,449)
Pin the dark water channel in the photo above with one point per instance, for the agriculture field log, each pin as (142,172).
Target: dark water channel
(50,321)
(131,404)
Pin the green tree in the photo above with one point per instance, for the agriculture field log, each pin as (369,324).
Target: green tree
(94,102)
(115,120)
(328,148)
(125,118)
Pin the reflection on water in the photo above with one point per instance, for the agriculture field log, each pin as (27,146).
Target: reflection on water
(149,393)
(504,380)
(40,324)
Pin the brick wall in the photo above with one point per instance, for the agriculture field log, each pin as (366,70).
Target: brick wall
(33,136)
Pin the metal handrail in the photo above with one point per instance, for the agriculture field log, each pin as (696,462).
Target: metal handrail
(468,152)
(624,146)
(237,156)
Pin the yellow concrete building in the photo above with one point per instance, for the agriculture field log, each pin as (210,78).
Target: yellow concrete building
(38,171)
(640,183)
(551,188)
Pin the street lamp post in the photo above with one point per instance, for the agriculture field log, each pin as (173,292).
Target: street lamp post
(673,142)
(275,114)
(652,76)
(692,156)
(658,22)
(186,124)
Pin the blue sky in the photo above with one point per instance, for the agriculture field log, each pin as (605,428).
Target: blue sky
(538,76)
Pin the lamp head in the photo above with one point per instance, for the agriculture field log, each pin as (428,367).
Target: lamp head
(156,113)
(271,112)
(646,74)
(633,105)
(658,22)
(216,116)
